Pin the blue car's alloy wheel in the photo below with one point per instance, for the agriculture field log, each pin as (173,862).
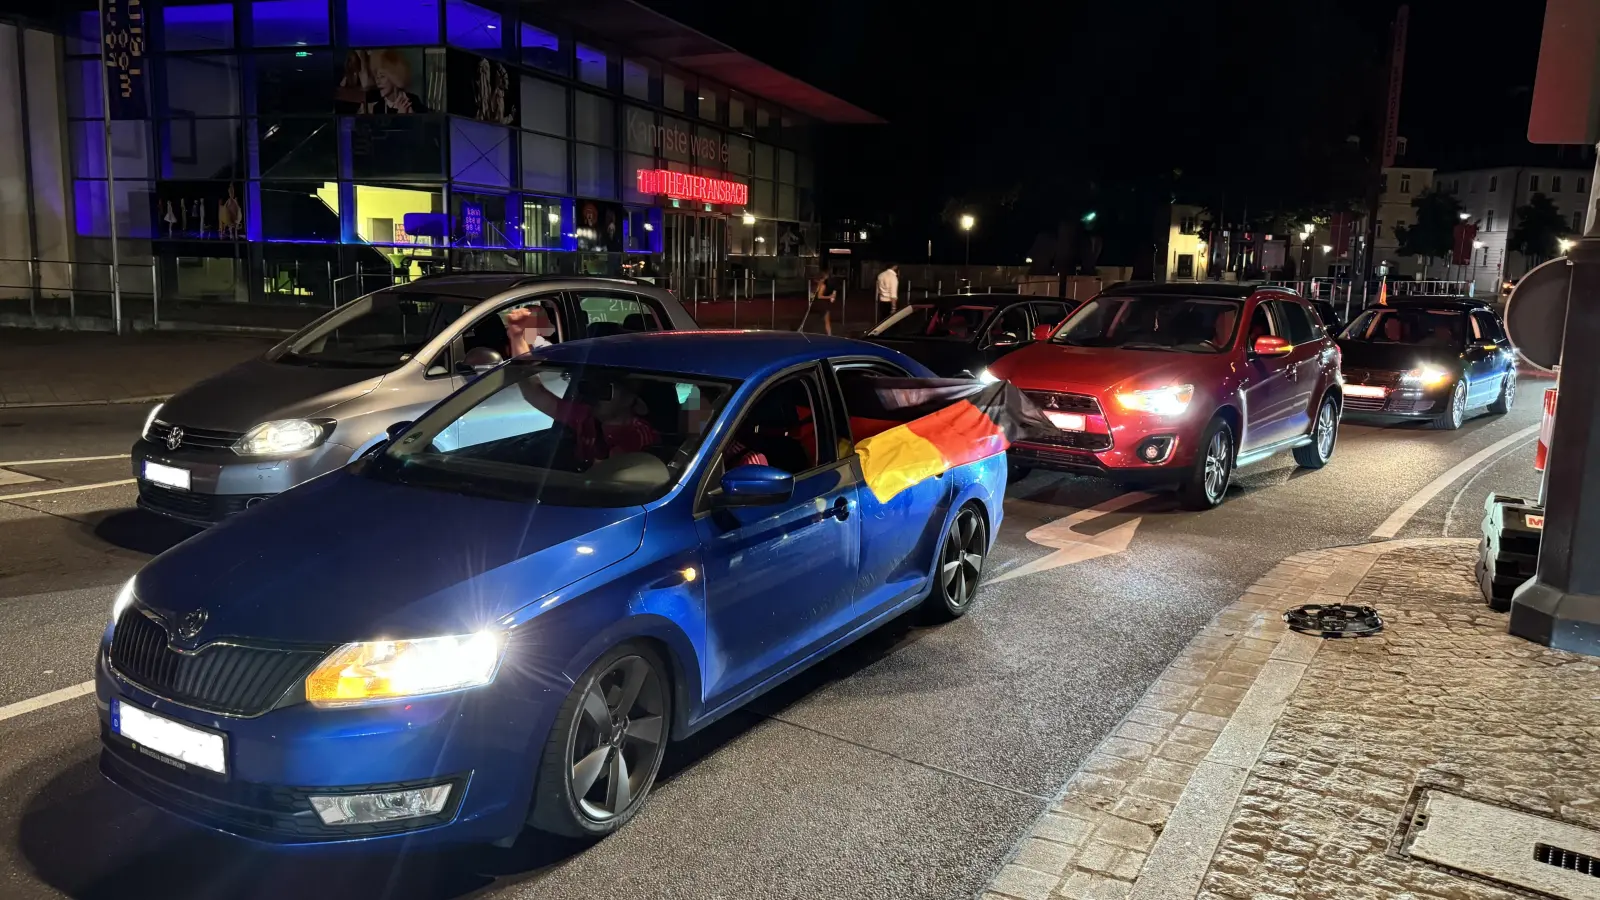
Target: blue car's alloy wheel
(607,746)
(960,565)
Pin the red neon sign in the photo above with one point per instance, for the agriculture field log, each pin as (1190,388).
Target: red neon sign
(693,187)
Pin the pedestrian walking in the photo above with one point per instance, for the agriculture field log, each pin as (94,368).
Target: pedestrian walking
(888,292)
(819,304)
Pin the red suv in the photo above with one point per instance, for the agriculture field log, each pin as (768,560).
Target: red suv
(1181,384)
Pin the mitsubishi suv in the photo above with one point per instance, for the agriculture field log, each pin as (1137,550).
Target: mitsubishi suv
(1180,385)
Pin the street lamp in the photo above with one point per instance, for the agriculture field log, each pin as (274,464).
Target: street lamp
(967,221)
(1465,216)
(749,219)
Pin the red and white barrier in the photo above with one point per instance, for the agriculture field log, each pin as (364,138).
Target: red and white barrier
(1541,452)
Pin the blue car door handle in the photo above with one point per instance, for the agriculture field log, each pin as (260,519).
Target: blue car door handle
(840,510)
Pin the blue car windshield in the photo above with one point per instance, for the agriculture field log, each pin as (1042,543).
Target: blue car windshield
(568,435)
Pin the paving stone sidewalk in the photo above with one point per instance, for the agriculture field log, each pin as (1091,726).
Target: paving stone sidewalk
(46,368)
(1265,764)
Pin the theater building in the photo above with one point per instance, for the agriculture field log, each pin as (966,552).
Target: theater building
(299,153)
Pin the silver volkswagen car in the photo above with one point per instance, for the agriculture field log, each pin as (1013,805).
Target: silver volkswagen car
(329,393)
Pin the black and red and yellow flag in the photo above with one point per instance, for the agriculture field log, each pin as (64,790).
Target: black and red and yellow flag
(911,429)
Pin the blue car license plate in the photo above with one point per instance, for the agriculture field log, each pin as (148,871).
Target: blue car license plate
(169,741)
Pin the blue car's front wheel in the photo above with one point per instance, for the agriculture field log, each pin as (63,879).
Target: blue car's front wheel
(959,566)
(606,747)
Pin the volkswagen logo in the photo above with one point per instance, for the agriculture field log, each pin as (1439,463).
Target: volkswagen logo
(174,441)
(189,626)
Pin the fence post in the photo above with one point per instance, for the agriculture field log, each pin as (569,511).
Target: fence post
(774,304)
(155,301)
(844,304)
(33,279)
(736,304)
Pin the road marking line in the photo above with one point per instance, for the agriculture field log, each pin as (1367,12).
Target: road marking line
(43,700)
(1072,546)
(68,490)
(1398,519)
(69,459)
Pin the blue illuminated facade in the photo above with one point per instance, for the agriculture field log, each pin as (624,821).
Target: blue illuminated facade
(304,151)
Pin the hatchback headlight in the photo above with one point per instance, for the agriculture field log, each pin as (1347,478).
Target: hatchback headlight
(1426,376)
(150,420)
(384,670)
(987,377)
(1167,401)
(283,436)
(123,601)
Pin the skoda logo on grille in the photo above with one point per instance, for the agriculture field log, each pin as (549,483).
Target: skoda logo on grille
(174,441)
(189,626)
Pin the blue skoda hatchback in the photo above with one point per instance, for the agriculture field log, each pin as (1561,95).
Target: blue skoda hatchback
(502,616)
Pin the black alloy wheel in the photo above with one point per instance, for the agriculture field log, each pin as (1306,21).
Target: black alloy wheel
(1508,394)
(1324,436)
(1456,412)
(959,567)
(1207,482)
(607,745)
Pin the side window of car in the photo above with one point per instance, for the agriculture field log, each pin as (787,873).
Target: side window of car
(601,313)
(1260,325)
(853,380)
(1485,328)
(491,332)
(1293,321)
(1009,327)
(1050,313)
(780,429)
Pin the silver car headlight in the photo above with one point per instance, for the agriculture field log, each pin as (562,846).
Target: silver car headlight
(283,436)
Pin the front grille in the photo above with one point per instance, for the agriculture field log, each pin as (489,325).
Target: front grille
(223,678)
(1076,403)
(193,506)
(1073,440)
(1383,377)
(1364,404)
(1395,404)
(263,811)
(198,439)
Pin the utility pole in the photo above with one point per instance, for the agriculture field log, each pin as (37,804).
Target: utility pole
(1560,606)
(1391,135)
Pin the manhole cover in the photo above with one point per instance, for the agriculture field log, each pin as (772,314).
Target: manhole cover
(1335,620)
(1548,857)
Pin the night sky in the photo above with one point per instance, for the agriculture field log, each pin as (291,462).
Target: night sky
(1028,113)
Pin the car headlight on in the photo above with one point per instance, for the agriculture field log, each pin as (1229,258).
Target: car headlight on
(150,420)
(123,601)
(283,436)
(1426,376)
(987,377)
(384,670)
(1167,401)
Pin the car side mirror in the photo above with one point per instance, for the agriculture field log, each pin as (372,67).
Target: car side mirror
(1006,339)
(1271,345)
(1042,332)
(755,486)
(481,359)
(389,434)
(397,429)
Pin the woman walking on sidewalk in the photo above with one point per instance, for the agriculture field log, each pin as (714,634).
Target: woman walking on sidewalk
(821,304)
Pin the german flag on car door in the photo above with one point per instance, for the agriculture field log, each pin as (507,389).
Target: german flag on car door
(911,429)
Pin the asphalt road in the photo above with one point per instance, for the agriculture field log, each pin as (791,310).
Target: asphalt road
(904,767)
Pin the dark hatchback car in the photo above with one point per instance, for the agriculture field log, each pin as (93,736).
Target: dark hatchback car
(1435,359)
(959,336)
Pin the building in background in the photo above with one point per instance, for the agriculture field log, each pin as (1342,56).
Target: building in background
(298,153)
(1491,197)
(1186,257)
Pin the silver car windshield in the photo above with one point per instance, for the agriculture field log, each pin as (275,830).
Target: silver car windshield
(378,331)
(570,435)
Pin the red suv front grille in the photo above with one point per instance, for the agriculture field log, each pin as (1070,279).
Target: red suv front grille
(1094,440)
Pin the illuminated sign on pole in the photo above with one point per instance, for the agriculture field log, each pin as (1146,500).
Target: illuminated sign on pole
(681,186)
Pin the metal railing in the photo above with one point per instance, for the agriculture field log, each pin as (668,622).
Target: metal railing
(61,293)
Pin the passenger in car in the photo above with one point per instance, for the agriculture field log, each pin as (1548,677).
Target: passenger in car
(526,329)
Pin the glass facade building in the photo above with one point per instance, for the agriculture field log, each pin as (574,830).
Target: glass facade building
(303,152)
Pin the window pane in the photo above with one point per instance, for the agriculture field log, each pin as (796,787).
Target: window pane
(672,91)
(130,149)
(541,222)
(382,215)
(544,106)
(636,78)
(761,197)
(544,163)
(471,26)
(393,81)
(738,155)
(205,27)
(480,153)
(396,147)
(279,23)
(597,176)
(676,139)
(203,85)
(709,150)
(296,148)
(202,210)
(135,201)
(593,119)
(82,30)
(807,177)
(737,106)
(592,66)
(640,130)
(479,220)
(83,89)
(632,164)
(541,49)
(786,207)
(290,83)
(202,148)
(376,23)
(710,101)
(763,161)
(786,166)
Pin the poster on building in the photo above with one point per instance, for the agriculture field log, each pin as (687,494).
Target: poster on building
(791,240)
(122,52)
(599,227)
(390,81)
(200,210)
(480,220)
(481,89)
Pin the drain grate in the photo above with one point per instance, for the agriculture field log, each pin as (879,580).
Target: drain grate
(1563,858)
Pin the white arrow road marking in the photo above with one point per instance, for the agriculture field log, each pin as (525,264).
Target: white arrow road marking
(1072,546)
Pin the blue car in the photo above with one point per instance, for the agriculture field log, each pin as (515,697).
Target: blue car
(501,617)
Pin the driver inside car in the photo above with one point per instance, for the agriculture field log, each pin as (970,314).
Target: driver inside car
(606,419)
